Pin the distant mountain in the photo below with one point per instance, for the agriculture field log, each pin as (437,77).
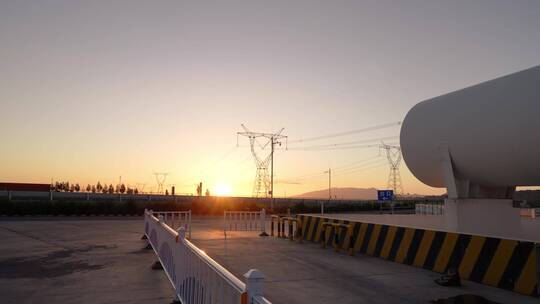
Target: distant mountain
(371,194)
(352,193)
(343,193)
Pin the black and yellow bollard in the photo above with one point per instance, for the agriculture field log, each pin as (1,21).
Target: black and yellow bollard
(282,227)
(338,229)
(278,227)
(324,232)
(272,218)
(353,237)
(299,233)
(291,235)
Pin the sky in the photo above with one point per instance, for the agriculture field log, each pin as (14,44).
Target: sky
(94,90)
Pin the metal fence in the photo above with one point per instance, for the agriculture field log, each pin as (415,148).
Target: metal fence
(287,226)
(195,277)
(244,221)
(429,209)
(176,219)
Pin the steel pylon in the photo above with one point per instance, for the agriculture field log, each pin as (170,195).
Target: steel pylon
(262,148)
(393,154)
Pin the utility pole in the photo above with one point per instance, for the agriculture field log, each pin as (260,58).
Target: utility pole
(272,174)
(329,189)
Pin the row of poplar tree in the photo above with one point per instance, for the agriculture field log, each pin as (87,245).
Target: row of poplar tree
(97,188)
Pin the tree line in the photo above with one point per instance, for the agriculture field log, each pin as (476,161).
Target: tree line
(97,188)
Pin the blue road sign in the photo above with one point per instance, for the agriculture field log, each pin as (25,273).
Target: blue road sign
(385,195)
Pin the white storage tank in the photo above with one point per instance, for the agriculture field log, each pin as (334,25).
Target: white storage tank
(491,131)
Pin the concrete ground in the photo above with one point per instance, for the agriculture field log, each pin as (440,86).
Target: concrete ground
(102,260)
(306,273)
(78,261)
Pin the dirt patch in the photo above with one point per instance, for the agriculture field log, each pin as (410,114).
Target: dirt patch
(143,250)
(55,264)
(464,299)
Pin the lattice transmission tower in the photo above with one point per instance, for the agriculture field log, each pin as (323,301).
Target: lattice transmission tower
(393,154)
(262,148)
(160,180)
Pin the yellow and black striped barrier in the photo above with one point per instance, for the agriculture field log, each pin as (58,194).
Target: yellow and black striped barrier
(503,263)
(335,235)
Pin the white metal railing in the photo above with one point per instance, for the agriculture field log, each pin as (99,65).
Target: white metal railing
(244,221)
(260,300)
(176,219)
(429,209)
(195,277)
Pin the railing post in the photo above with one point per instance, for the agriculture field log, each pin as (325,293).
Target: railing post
(291,235)
(263,223)
(225,224)
(143,237)
(299,229)
(189,224)
(282,227)
(181,232)
(278,226)
(272,225)
(254,284)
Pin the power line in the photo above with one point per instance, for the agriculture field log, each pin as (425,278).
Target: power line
(285,182)
(340,148)
(335,148)
(297,180)
(376,161)
(369,166)
(363,169)
(346,143)
(357,162)
(343,168)
(377,127)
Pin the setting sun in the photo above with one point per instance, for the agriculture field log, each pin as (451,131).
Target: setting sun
(222,189)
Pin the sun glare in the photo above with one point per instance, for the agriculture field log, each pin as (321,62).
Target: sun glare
(222,189)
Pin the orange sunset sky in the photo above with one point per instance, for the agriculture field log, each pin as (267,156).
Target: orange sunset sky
(91,90)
